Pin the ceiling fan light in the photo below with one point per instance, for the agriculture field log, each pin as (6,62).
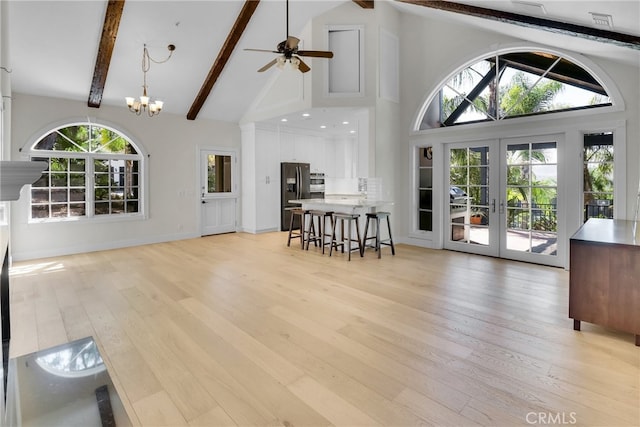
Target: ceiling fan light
(295,63)
(280,61)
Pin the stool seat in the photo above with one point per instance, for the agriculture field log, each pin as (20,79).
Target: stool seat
(345,240)
(376,217)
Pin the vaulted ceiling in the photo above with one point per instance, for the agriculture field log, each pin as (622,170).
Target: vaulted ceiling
(55,46)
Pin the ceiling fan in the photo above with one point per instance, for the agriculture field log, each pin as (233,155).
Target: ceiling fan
(288,50)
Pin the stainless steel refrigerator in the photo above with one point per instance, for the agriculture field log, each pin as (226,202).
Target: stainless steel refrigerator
(294,178)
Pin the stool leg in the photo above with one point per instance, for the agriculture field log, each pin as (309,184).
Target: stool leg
(378,237)
(360,247)
(349,239)
(366,232)
(312,231)
(334,242)
(393,249)
(290,229)
(322,233)
(302,231)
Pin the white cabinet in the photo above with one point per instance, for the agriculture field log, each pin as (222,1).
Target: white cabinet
(302,148)
(287,147)
(267,181)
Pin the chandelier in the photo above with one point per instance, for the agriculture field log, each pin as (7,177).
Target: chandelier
(144,103)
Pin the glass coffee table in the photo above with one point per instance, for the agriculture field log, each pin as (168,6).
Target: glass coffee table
(66,385)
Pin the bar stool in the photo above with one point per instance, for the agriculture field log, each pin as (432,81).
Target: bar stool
(376,217)
(345,239)
(319,237)
(302,233)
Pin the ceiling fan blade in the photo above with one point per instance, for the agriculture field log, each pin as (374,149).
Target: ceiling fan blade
(303,67)
(292,42)
(269,65)
(262,50)
(316,53)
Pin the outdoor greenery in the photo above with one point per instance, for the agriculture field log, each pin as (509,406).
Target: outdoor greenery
(519,96)
(74,153)
(531,201)
(598,172)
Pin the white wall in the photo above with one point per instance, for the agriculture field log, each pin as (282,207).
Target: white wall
(171,142)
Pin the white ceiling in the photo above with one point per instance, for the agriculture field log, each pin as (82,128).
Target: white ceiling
(53,45)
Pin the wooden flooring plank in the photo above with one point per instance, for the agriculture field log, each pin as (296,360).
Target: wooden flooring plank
(330,405)
(158,410)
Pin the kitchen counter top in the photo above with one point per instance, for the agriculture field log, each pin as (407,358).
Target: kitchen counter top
(341,202)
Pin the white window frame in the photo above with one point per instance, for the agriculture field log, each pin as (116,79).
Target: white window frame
(143,181)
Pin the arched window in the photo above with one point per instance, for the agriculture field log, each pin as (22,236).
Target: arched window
(513,84)
(94,171)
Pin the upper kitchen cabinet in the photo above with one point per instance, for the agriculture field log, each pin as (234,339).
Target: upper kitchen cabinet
(303,148)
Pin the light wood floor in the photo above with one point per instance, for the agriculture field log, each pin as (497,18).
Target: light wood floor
(240,329)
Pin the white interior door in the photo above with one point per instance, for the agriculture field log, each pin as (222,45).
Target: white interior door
(218,191)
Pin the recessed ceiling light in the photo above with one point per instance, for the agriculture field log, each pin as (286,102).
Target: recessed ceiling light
(353,131)
(345,123)
(283,120)
(323,127)
(305,114)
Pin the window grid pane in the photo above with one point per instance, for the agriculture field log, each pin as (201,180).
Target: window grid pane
(425,188)
(64,188)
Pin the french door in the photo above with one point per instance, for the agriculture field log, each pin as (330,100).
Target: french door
(503,199)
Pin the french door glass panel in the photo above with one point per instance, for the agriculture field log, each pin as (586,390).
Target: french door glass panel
(532,197)
(471,209)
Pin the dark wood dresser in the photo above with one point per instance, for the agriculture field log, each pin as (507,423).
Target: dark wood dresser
(604,278)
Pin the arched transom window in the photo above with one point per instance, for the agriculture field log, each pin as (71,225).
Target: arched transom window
(94,171)
(514,85)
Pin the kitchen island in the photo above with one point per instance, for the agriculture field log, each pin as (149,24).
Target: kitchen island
(346,204)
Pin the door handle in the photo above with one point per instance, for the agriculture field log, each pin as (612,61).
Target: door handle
(493,205)
(501,207)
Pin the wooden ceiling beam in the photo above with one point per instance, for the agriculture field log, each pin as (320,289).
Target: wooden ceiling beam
(365,4)
(605,36)
(223,56)
(105,50)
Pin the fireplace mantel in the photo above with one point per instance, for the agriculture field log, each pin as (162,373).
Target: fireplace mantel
(15,174)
